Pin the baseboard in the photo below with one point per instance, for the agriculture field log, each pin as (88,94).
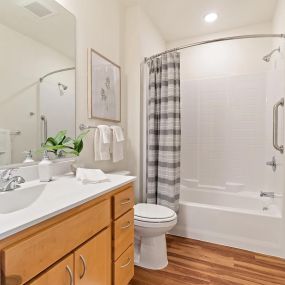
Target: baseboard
(232,241)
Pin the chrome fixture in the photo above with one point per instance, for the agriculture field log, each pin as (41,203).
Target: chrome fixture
(272,163)
(267,58)
(278,147)
(83,127)
(267,194)
(56,71)
(8,182)
(254,36)
(45,126)
(62,86)
(15,133)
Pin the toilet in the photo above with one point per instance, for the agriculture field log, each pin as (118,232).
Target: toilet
(152,222)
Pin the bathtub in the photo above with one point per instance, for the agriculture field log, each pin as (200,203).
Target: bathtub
(242,220)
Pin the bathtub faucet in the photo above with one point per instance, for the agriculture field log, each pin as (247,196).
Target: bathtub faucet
(267,194)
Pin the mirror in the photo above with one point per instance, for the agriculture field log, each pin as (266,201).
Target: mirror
(37,76)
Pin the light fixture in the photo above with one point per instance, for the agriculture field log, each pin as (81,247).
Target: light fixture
(211,17)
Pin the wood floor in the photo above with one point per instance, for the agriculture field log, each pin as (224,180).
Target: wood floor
(196,262)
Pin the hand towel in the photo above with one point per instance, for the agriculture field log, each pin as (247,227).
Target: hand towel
(86,175)
(118,143)
(102,141)
(5,147)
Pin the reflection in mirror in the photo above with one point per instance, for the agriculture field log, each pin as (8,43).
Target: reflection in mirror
(37,76)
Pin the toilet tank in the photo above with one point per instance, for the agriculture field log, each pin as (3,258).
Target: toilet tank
(121,172)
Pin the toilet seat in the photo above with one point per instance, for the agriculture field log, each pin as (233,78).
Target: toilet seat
(151,213)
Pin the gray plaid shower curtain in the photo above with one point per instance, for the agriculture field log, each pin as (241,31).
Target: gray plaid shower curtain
(164,131)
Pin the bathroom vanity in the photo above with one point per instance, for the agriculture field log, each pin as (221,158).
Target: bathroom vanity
(68,233)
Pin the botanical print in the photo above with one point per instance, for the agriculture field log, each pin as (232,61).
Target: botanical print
(105,88)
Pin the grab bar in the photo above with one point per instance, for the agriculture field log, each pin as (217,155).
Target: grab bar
(44,119)
(275,125)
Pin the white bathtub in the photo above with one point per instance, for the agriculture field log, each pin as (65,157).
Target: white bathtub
(233,219)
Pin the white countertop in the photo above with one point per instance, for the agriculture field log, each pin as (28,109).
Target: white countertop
(58,196)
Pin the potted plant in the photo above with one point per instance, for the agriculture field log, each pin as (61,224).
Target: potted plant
(61,145)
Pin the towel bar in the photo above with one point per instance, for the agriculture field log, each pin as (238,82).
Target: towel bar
(83,127)
(16,133)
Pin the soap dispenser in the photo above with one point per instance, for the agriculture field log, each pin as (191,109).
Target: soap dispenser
(45,169)
(28,156)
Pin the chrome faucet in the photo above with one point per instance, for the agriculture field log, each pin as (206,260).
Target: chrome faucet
(8,182)
(267,194)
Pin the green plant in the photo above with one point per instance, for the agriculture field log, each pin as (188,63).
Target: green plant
(62,144)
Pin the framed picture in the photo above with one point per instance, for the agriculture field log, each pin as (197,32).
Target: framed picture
(104,88)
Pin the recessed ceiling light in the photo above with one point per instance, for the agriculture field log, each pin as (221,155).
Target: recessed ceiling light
(211,17)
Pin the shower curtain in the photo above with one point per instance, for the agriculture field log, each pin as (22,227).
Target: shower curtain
(164,132)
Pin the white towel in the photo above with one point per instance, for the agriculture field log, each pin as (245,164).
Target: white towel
(91,175)
(118,143)
(5,147)
(102,141)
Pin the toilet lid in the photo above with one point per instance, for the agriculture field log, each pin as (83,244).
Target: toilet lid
(153,213)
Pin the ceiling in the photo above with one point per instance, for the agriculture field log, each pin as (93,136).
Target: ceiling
(180,19)
(56,31)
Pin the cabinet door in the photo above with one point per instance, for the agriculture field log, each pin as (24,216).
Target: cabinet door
(93,261)
(60,274)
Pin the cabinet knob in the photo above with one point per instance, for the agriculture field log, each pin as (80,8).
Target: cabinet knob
(84,266)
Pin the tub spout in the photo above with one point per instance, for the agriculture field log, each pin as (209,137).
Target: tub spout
(267,194)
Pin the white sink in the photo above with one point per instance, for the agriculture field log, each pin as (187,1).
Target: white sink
(20,198)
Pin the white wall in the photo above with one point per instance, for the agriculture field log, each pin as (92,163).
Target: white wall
(225,123)
(99,26)
(278,66)
(225,58)
(125,35)
(142,39)
(23,61)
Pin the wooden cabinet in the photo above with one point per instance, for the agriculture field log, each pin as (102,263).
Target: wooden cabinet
(123,237)
(59,274)
(123,202)
(90,264)
(124,267)
(93,261)
(123,233)
(91,244)
(48,246)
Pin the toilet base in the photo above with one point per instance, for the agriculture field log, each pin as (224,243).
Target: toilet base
(151,252)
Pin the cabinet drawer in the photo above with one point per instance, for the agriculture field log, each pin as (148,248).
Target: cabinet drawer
(123,202)
(124,267)
(123,234)
(60,274)
(29,257)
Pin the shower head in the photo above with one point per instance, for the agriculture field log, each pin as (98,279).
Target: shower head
(267,57)
(64,87)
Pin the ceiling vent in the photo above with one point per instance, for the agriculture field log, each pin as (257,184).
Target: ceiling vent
(38,9)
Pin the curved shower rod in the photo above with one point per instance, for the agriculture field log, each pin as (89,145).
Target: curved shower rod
(56,71)
(253,36)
